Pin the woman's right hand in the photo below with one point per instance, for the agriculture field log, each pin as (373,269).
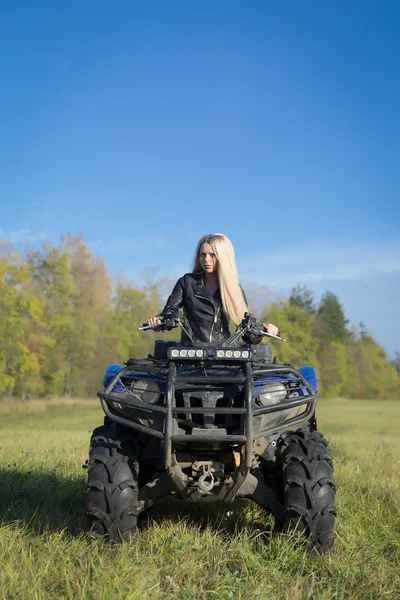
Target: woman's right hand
(155,321)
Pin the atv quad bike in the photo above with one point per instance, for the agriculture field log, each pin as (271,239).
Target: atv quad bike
(211,423)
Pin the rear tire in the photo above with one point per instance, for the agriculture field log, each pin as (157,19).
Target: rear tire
(308,487)
(112,484)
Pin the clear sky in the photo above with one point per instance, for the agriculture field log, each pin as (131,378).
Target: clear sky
(145,125)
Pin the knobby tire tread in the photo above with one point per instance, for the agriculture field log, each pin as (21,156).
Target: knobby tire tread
(112,487)
(308,487)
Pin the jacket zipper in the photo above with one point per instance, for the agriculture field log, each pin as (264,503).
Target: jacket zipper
(215,320)
(215,313)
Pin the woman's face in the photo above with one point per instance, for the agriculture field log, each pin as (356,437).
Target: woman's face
(208,260)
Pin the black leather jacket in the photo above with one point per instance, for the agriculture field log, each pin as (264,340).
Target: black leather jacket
(203,311)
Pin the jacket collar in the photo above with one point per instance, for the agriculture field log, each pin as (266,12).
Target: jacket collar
(201,288)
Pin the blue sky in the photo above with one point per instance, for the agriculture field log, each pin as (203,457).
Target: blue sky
(145,125)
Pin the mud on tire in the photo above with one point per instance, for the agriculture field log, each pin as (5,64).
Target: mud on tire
(308,487)
(112,484)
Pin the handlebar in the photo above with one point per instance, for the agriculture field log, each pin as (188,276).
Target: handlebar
(276,337)
(167,323)
(249,325)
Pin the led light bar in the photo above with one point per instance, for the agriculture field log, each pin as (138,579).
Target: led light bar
(232,354)
(187,353)
(212,353)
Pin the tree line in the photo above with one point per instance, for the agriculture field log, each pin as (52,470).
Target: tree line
(63,319)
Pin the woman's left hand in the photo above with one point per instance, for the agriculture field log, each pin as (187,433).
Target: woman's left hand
(270,328)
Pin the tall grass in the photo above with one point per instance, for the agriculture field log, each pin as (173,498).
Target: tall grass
(185,553)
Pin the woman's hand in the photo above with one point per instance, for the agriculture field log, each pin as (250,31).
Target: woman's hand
(269,328)
(155,321)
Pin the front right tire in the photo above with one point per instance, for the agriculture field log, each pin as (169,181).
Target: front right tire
(112,488)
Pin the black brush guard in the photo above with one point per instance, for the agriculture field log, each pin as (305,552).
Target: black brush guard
(169,410)
(242,483)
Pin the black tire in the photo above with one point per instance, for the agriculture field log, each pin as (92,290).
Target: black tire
(308,487)
(112,484)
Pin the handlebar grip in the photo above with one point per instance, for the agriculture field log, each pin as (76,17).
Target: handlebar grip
(146,327)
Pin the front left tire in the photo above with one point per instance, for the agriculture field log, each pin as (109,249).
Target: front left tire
(308,487)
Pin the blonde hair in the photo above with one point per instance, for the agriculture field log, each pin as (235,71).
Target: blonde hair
(233,302)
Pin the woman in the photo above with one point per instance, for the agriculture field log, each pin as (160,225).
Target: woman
(211,295)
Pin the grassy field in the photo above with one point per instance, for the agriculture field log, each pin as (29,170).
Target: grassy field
(187,554)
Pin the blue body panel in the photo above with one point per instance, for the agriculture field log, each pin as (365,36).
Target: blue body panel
(110,373)
(310,376)
(114,369)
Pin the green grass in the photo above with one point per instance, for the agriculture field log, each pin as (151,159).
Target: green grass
(208,553)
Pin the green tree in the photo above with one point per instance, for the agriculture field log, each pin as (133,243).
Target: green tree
(130,310)
(55,285)
(330,322)
(90,339)
(296,325)
(380,377)
(77,339)
(302,297)
(20,316)
(333,373)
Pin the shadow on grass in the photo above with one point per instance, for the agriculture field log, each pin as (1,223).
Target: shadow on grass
(43,501)
(226,518)
(46,501)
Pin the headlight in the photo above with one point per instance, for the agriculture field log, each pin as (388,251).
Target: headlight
(272,393)
(146,389)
